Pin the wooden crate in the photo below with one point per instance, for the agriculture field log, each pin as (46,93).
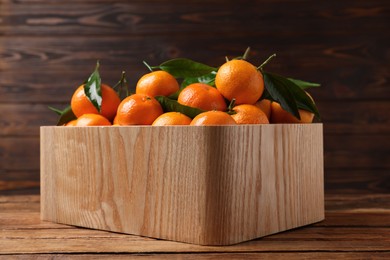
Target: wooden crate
(211,185)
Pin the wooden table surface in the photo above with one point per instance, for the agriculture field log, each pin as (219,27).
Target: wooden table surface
(356,227)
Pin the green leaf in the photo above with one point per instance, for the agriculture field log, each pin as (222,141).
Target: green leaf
(289,95)
(175,95)
(170,105)
(185,68)
(55,110)
(208,79)
(304,84)
(92,88)
(66,115)
(301,97)
(266,95)
(280,93)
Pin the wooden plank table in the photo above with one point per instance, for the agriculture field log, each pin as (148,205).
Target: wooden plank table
(356,226)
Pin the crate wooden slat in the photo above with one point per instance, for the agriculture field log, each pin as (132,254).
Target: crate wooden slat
(215,185)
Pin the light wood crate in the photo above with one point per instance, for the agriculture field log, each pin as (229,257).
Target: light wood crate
(211,185)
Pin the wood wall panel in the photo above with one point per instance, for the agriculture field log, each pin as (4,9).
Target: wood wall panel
(48,47)
(141,17)
(75,52)
(346,70)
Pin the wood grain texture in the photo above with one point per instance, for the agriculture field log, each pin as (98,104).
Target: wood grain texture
(202,185)
(345,232)
(336,181)
(312,61)
(140,17)
(202,256)
(338,155)
(351,230)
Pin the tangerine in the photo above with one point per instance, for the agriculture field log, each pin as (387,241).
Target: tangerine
(81,104)
(202,96)
(138,109)
(241,80)
(71,123)
(213,118)
(157,83)
(249,114)
(92,120)
(279,115)
(115,122)
(265,106)
(172,118)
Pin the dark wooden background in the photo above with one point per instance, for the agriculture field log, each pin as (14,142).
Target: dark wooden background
(47,48)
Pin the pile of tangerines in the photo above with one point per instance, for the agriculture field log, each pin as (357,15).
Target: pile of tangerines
(234,97)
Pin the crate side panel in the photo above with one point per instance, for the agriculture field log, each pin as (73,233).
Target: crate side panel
(262,180)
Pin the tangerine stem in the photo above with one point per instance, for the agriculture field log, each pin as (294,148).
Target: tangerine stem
(246,53)
(97,65)
(122,84)
(266,61)
(230,107)
(147,65)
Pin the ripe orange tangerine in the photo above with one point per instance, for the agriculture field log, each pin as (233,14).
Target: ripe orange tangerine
(213,118)
(115,122)
(138,109)
(265,106)
(157,83)
(202,96)
(71,123)
(172,118)
(92,120)
(241,80)
(82,105)
(279,115)
(249,114)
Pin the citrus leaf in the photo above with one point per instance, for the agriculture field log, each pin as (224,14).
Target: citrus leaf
(175,95)
(185,68)
(287,89)
(301,97)
(304,84)
(92,88)
(266,95)
(170,105)
(55,110)
(66,115)
(280,93)
(208,79)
